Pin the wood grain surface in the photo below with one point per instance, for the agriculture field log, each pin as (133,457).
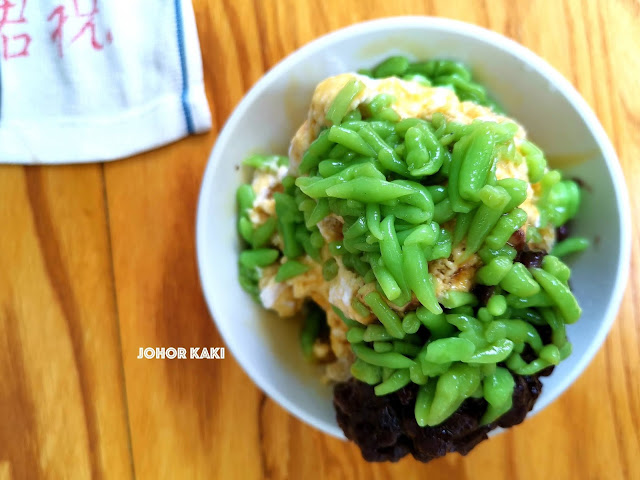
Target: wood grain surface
(97,261)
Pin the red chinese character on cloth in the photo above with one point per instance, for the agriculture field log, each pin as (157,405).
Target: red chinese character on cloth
(89,25)
(57,34)
(13,45)
(87,17)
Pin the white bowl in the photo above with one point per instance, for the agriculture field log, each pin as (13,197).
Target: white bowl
(528,88)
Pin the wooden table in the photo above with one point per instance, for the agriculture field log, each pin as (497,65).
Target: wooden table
(97,261)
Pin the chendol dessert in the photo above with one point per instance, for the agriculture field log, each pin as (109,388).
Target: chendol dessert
(413,228)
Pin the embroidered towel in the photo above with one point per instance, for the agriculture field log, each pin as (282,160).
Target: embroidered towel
(96,80)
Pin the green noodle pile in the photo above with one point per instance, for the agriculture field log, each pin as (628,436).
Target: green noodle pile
(438,73)
(409,191)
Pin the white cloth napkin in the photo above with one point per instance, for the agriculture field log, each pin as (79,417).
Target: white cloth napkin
(95,80)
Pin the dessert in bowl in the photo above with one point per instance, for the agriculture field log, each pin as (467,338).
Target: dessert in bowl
(411,228)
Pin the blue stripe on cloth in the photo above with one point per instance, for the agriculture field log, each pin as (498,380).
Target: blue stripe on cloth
(0,90)
(183,67)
